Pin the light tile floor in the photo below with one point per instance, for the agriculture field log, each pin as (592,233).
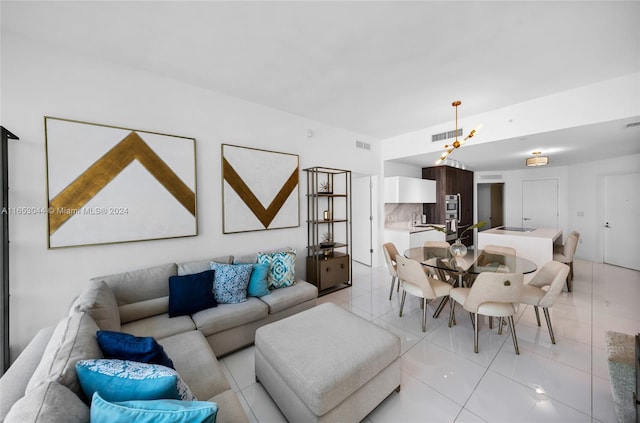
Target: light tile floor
(443,380)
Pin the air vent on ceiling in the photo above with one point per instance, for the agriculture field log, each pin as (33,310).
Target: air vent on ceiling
(631,125)
(363,145)
(446,135)
(490,176)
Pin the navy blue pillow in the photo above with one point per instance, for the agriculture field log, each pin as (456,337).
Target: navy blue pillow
(125,346)
(189,294)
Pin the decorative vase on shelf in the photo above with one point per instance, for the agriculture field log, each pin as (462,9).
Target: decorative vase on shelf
(458,249)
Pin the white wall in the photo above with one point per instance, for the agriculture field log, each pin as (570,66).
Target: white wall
(39,80)
(580,192)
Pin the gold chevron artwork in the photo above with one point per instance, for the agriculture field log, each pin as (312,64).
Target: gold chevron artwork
(105,169)
(264,214)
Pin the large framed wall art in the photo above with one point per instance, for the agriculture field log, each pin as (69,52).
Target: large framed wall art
(259,189)
(107,184)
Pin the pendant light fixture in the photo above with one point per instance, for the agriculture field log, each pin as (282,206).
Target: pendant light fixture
(450,147)
(537,159)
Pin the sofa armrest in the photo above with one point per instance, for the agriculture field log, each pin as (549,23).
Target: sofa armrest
(15,380)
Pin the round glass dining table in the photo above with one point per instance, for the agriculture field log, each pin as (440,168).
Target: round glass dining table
(473,263)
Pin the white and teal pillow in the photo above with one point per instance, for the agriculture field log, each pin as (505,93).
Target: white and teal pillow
(124,380)
(231,282)
(282,268)
(152,411)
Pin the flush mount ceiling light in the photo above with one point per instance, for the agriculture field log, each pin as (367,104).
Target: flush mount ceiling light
(450,147)
(537,159)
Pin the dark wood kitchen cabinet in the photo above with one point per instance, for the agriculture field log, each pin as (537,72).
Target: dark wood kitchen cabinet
(450,181)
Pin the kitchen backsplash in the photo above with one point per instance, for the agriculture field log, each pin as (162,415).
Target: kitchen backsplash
(401,213)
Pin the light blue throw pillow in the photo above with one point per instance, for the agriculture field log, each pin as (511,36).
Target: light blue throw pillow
(258,284)
(282,268)
(124,380)
(231,282)
(152,411)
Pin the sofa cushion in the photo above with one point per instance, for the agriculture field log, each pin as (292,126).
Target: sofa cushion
(154,411)
(125,346)
(231,282)
(123,380)
(191,293)
(159,326)
(229,408)
(73,339)
(282,268)
(282,299)
(191,361)
(143,309)
(99,302)
(227,316)
(50,402)
(140,285)
(197,266)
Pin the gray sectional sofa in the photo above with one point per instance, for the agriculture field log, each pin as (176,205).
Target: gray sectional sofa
(41,384)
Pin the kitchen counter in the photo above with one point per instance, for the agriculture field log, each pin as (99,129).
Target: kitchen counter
(406,227)
(405,236)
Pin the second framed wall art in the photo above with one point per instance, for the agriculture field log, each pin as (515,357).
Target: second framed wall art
(259,189)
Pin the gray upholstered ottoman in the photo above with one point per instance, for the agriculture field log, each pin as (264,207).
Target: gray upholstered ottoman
(327,365)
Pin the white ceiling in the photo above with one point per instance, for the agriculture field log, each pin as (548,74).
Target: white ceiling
(374,67)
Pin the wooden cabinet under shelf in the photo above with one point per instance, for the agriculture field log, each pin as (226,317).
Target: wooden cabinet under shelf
(332,271)
(328,216)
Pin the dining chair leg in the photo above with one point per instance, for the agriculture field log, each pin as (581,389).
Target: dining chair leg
(475,333)
(472,319)
(452,315)
(535,308)
(404,297)
(490,322)
(440,307)
(393,282)
(570,277)
(500,323)
(424,314)
(548,319)
(512,326)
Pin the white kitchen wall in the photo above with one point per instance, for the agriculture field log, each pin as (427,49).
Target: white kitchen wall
(580,204)
(39,79)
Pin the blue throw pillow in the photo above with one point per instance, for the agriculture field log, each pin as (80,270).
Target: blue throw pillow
(152,411)
(125,346)
(231,282)
(282,268)
(258,284)
(124,380)
(189,294)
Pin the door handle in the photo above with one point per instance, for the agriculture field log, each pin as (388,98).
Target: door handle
(526,218)
(606,225)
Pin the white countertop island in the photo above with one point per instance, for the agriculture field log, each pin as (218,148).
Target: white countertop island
(535,244)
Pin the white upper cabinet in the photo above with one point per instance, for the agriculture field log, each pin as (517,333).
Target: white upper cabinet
(401,189)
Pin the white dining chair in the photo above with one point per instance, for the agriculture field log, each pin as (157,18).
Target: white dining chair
(416,282)
(551,275)
(492,294)
(499,249)
(564,254)
(390,253)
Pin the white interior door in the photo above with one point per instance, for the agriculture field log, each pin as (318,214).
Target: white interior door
(362,220)
(621,227)
(540,203)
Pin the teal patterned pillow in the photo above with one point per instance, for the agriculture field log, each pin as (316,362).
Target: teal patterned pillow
(124,380)
(231,282)
(282,268)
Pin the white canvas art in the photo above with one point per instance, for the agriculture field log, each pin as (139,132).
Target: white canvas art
(259,189)
(107,184)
